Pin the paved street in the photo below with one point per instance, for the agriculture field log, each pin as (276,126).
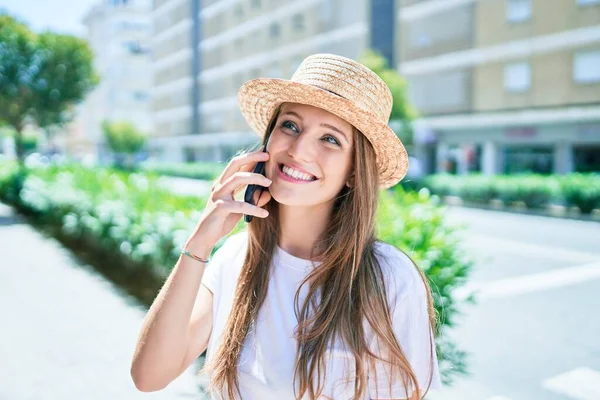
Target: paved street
(534,333)
(186,186)
(67,333)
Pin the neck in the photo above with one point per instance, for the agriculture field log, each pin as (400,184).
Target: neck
(301,226)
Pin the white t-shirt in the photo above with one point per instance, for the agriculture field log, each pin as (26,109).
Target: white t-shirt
(266,363)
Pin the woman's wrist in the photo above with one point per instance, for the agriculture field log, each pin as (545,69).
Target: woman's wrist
(200,250)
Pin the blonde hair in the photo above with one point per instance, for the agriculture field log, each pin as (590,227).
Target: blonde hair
(349,282)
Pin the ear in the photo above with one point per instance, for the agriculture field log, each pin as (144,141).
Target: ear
(350,181)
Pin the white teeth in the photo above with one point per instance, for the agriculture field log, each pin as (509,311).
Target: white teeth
(297,174)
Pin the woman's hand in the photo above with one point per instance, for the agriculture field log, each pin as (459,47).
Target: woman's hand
(223,211)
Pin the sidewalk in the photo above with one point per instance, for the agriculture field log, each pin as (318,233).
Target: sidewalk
(187,186)
(67,333)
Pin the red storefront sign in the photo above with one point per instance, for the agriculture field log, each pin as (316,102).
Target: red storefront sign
(525,132)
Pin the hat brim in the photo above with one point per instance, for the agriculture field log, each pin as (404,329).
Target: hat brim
(259,98)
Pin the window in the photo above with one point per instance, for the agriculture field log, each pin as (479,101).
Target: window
(421,41)
(238,11)
(538,160)
(298,22)
(239,45)
(254,73)
(439,92)
(587,158)
(135,47)
(518,10)
(141,96)
(132,26)
(217,56)
(586,2)
(189,155)
(447,27)
(517,77)
(214,122)
(257,39)
(327,12)
(274,30)
(586,67)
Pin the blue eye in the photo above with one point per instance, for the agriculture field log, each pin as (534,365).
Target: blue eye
(289,125)
(334,140)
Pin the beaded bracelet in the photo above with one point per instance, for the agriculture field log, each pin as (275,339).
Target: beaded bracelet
(195,257)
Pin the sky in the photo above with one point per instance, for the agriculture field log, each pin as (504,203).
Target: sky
(61,16)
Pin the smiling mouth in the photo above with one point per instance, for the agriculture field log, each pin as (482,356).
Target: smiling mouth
(314,178)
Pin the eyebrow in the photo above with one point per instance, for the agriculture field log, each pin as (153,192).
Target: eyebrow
(329,126)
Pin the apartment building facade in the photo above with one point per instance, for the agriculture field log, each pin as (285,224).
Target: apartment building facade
(118,32)
(204,51)
(503,86)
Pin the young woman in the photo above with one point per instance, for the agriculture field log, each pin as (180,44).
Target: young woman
(306,303)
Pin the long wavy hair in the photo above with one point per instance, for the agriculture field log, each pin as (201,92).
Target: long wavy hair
(347,288)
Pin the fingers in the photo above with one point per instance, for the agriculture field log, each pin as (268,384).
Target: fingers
(226,207)
(242,178)
(243,162)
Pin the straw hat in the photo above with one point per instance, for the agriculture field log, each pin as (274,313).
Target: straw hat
(343,87)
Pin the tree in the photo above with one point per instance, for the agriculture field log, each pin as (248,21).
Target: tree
(65,86)
(403,113)
(42,77)
(124,140)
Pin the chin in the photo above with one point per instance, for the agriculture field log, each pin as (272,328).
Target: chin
(292,199)
(289,199)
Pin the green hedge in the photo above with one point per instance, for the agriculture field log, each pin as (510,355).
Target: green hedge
(197,170)
(130,213)
(536,191)
(581,190)
(133,217)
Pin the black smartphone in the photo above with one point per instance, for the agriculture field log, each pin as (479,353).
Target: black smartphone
(251,189)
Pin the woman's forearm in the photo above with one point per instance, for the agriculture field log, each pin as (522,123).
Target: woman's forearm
(164,337)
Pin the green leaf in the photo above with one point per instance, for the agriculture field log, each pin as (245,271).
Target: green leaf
(403,113)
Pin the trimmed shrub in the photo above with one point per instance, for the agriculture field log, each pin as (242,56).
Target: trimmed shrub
(536,191)
(477,189)
(581,190)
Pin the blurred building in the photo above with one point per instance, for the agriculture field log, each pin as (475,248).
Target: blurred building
(504,85)
(118,32)
(205,50)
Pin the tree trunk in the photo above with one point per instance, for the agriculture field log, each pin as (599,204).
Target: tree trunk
(19,148)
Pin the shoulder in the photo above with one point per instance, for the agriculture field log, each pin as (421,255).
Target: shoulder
(401,275)
(225,261)
(230,244)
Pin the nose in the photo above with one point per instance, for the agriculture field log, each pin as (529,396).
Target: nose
(303,148)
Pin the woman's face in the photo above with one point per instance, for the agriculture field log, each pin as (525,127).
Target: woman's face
(316,142)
